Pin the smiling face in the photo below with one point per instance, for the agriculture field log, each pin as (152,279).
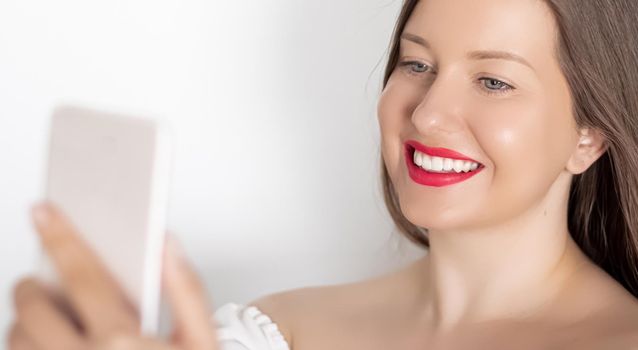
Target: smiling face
(450,89)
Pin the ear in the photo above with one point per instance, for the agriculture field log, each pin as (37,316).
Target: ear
(591,145)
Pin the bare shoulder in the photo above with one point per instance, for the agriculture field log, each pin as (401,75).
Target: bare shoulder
(624,337)
(615,324)
(620,324)
(302,312)
(279,309)
(291,309)
(303,308)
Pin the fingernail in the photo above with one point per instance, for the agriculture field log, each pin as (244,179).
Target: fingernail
(41,214)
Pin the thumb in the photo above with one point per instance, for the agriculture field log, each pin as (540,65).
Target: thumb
(189,305)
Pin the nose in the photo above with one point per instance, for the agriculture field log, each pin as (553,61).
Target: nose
(439,111)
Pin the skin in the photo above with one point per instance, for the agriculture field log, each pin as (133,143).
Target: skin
(502,271)
(499,241)
(90,312)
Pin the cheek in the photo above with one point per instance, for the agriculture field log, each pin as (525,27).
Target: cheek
(510,135)
(527,145)
(394,109)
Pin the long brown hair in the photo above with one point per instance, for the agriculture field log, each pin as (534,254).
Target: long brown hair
(597,48)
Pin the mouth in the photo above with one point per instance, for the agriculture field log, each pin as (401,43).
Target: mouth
(438,166)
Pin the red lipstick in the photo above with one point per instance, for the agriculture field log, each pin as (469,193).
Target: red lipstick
(427,178)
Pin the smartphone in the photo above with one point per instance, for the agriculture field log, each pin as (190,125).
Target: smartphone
(110,174)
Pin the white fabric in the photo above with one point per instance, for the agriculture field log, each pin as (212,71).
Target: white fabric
(246,328)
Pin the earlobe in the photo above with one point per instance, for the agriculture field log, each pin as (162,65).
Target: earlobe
(591,145)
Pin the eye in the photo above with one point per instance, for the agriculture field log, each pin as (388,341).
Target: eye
(494,86)
(489,85)
(414,67)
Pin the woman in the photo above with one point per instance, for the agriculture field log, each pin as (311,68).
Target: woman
(509,149)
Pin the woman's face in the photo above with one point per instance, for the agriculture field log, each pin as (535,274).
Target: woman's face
(514,119)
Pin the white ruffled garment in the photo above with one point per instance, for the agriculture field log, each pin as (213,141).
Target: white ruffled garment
(241,327)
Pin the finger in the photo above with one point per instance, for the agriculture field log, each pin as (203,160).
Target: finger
(193,326)
(42,322)
(18,340)
(91,290)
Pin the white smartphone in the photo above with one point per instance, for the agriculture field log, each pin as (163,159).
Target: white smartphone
(110,174)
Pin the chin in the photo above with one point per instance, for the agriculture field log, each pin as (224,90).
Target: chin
(436,218)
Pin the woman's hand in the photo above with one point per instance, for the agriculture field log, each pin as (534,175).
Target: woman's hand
(91,312)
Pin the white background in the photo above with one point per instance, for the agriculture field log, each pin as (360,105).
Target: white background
(273,105)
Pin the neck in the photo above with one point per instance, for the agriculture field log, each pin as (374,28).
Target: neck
(509,270)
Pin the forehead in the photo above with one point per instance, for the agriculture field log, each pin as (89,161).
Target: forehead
(454,27)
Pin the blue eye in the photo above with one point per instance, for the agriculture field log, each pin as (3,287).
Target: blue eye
(495,86)
(489,85)
(415,67)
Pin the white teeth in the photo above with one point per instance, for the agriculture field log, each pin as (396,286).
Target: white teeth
(418,158)
(427,163)
(438,164)
(458,165)
(448,164)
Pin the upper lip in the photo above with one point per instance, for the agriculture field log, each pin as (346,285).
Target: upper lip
(438,151)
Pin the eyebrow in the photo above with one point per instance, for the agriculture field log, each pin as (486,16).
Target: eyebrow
(474,55)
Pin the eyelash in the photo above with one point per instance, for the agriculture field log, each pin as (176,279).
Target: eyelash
(409,64)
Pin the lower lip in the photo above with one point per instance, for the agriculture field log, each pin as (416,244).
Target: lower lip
(424,177)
